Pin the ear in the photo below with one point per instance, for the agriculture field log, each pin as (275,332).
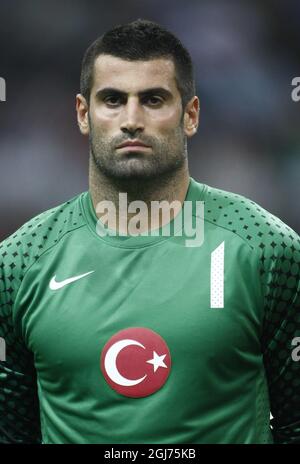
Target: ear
(191,117)
(82,114)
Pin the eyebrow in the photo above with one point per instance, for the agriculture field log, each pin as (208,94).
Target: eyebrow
(101,93)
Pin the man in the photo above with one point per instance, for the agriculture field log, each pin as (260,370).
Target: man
(117,337)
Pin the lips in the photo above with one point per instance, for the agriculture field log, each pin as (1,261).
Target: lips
(133,143)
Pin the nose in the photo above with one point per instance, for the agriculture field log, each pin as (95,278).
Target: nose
(132,117)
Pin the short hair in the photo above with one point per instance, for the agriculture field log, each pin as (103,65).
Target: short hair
(141,40)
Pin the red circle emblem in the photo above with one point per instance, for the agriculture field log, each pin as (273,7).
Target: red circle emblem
(136,362)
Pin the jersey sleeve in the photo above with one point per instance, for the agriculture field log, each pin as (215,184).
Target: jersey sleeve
(19,411)
(280,272)
(19,403)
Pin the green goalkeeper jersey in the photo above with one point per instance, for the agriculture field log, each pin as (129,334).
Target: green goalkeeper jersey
(142,339)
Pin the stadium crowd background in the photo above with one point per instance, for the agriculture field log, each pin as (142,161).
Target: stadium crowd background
(245,55)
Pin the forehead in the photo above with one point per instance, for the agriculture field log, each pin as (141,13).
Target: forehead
(133,76)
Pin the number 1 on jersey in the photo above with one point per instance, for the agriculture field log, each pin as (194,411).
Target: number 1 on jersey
(217,277)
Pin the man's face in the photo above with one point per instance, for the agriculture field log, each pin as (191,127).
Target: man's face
(135,101)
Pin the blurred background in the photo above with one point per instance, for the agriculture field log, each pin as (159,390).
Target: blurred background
(245,54)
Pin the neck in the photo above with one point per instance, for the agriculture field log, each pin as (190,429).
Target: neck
(169,188)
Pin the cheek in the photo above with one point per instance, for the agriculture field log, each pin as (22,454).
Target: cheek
(165,120)
(104,116)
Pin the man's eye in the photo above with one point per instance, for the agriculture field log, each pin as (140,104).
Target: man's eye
(112,100)
(154,101)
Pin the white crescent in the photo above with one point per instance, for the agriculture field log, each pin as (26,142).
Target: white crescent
(111,367)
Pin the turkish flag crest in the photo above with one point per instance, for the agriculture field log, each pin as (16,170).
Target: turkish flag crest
(136,362)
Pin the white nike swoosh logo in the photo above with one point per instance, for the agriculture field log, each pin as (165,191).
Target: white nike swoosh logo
(54,285)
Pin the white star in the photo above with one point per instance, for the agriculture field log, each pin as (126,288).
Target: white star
(157,361)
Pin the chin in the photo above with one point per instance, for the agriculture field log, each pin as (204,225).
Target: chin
(135,169)
(134,175)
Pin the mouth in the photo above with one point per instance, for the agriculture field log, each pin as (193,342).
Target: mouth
(133,145)
(133,148)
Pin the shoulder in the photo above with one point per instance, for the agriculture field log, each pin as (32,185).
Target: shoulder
(21,249)
(262,230)
(271,243)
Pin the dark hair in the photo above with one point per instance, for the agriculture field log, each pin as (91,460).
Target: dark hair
(140,40)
